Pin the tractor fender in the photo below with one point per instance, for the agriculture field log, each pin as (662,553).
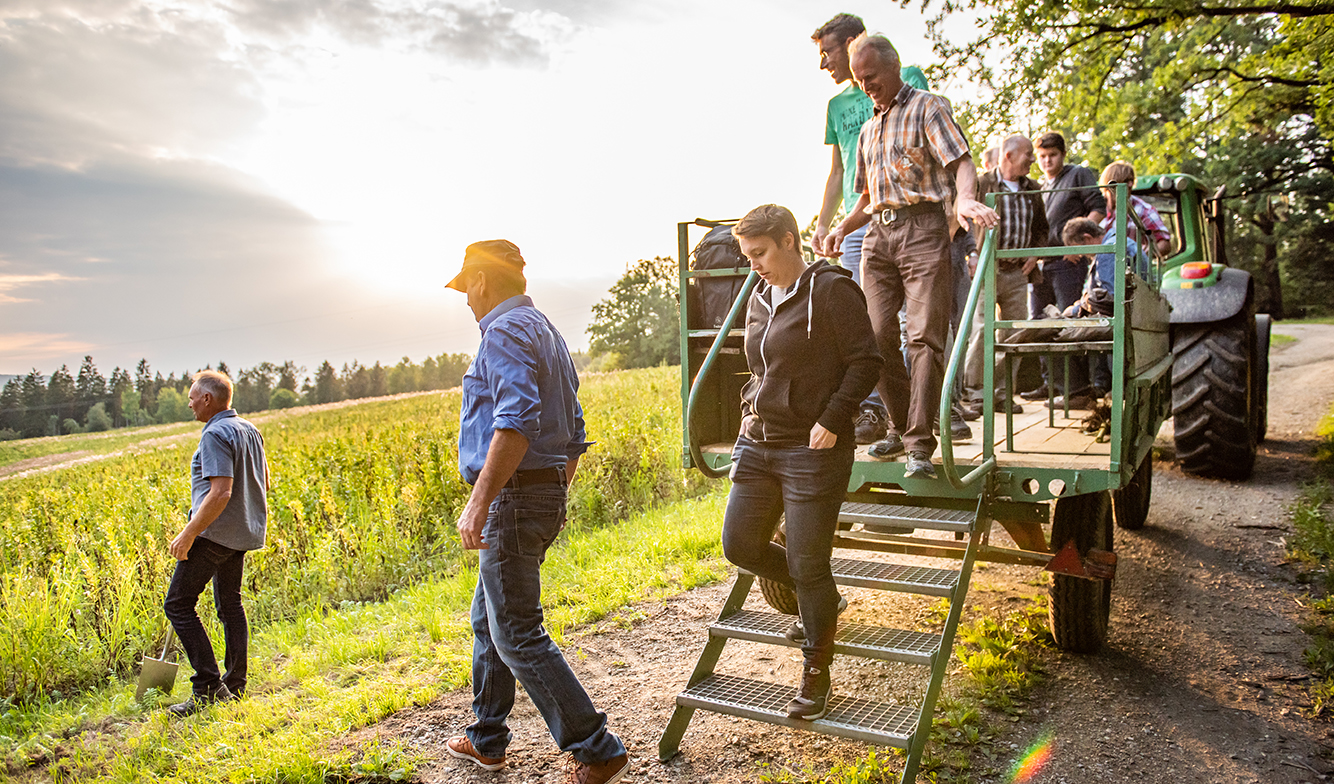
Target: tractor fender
(1224,299)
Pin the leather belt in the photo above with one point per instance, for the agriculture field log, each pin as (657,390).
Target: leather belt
(887,217)
(536,476)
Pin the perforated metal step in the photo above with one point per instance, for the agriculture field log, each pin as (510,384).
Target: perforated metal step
(849,717)
(853,639)
(894,577)
(907,516)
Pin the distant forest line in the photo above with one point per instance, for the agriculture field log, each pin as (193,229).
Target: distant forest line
(37,405)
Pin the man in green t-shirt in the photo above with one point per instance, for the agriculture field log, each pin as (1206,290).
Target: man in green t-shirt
(846,114)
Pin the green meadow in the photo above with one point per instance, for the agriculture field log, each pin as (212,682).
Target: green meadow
(358,605)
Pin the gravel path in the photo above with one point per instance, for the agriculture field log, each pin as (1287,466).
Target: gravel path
(1202,679)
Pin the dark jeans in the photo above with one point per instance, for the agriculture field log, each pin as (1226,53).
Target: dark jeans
(207,562)
(807,486)
(959,249)
(509,641)
(1062,283)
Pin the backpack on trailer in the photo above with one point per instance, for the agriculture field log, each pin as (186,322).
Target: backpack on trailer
(710,299)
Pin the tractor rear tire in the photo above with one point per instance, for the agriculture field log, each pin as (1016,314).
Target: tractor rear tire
(1214,379)
(1080,608)
(776,595)
(1131,503)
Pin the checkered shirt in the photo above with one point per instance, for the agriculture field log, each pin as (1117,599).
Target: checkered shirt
(903,151)
(1152,221)
(1016,218)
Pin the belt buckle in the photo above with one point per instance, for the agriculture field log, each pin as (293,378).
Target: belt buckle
(888,216)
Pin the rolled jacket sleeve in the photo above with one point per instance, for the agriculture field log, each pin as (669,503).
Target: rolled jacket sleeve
(513,385)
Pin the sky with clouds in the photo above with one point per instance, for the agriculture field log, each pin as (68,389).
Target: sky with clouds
(251,180)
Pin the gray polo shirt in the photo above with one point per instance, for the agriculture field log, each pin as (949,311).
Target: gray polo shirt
(231,446)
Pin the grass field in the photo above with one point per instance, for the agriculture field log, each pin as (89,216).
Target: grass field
(359,599)
(323,673)
(12,452)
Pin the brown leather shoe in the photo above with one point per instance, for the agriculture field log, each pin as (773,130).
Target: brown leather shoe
(604,772)
(459,747)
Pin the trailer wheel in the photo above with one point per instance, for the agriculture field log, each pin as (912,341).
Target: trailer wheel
(776,595)
(1131,503)
(1214,403)
(1080,608)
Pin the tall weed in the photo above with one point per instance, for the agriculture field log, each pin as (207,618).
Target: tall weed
(363,502)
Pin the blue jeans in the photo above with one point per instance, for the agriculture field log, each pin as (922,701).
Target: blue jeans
(852,259)
(852,253)
(208,562)
(807,486)
(510,642)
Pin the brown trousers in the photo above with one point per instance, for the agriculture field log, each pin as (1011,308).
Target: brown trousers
(909,259)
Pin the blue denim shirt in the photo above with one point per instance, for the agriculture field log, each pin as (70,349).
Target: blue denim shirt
(1104,266)
(522,379)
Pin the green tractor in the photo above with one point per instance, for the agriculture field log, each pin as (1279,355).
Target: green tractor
(1220,345)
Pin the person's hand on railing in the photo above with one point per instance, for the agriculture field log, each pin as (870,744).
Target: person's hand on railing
(972,212)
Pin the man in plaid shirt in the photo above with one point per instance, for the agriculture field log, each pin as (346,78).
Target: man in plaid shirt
(912,157)
(1023,224)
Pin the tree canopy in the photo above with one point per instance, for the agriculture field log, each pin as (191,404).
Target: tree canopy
(1240,94)
(638,324)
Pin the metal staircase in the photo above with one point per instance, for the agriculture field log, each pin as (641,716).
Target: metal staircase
(849,716)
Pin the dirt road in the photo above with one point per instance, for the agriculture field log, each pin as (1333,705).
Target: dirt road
(1202,680)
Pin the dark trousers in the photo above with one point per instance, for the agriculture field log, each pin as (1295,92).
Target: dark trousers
(908,261)
(807,487)
(210,562)
(1062,283)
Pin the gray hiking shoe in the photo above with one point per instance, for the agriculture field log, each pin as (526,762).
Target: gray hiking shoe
(889,447)
(919,466)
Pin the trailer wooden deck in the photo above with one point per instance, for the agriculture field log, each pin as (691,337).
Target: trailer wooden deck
(1037,443)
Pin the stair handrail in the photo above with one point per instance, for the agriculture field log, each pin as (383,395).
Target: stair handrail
(986,262)
(696,454)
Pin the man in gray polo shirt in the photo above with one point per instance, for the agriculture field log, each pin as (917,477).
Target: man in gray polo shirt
(229,479)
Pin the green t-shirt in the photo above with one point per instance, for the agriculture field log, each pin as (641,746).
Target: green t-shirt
(848,112)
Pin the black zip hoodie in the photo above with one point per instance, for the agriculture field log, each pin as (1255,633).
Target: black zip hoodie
(812,359)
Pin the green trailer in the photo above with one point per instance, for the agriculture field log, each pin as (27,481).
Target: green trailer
(1037,489)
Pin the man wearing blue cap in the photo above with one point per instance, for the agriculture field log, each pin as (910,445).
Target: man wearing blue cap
(521,433)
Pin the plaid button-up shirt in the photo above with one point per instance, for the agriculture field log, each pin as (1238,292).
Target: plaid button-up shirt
(903,151)
(1152,221)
